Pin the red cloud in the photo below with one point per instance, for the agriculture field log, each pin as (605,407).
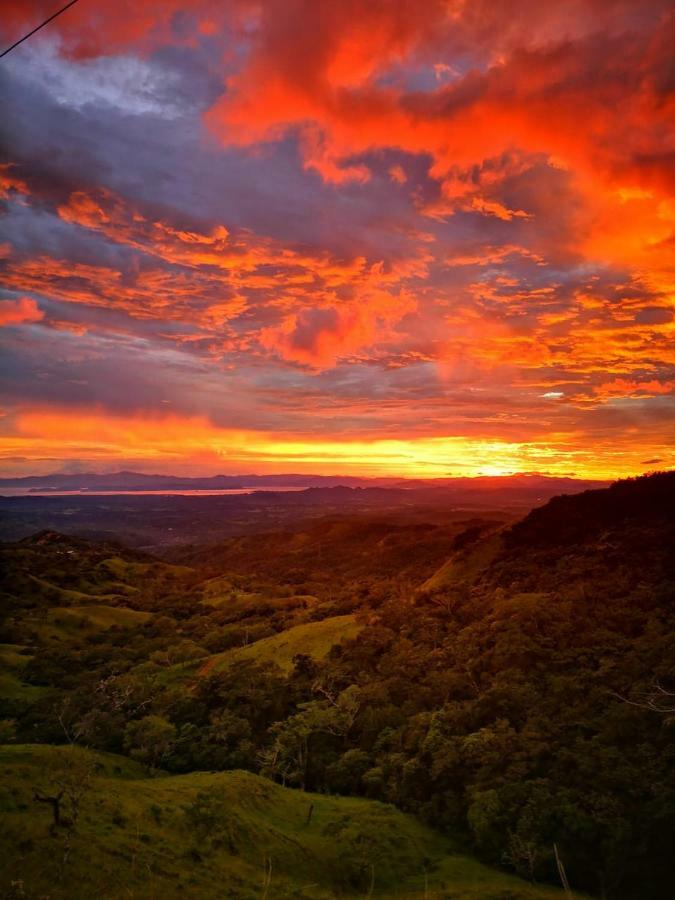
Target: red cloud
(87,31)
(19,312)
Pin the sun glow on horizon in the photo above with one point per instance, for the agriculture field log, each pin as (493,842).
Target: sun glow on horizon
(196,443)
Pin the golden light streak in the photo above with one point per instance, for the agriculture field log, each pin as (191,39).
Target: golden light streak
(177,441)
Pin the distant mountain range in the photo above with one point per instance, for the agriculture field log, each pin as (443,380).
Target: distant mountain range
(138,481)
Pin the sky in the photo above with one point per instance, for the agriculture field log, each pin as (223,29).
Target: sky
(365,237)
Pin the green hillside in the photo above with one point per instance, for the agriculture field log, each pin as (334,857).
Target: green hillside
(314,639)
(97,616)
(465,564)
(13,661)
(205,835)
(51,569)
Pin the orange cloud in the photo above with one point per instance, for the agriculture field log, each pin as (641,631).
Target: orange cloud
(325,308)
(592,105)
(10,182)
(397,174)
(623,387)
(319,336)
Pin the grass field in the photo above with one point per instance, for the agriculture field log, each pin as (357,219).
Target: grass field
(12,687)
(124,569)
(216,835)
(68,623)
(313,638)
(12,657)
(464,564)
(66,595)
(222,593)
(96,617)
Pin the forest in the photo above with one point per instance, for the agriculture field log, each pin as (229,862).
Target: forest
(364,705)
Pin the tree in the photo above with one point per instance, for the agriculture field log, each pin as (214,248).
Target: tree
(657,699)
(346,775)
(149,739)
(289,756)
(65,781)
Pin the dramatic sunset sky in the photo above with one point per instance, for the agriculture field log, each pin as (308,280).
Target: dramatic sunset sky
(340,236)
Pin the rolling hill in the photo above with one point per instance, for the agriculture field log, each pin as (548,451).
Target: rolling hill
(214,835)
(314,639)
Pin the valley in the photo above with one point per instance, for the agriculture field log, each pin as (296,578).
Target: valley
(428,704)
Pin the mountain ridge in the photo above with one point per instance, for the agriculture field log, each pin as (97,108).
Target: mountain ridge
(132,480)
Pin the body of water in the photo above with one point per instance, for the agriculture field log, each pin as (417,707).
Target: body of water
(160,492)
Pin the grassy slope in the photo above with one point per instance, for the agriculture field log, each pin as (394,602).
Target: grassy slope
(62,614)
(13,688)
(66,595)
(123,569)
(313,638)
(133,839)
(12,664)
(465,564)
(52,569)
(60,624)
(96,617)
(221,593)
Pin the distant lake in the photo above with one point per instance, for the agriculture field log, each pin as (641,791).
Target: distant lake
(159,492)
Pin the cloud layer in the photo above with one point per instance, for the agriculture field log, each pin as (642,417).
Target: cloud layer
(446,225)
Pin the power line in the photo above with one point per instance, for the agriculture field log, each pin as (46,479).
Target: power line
(46,22)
